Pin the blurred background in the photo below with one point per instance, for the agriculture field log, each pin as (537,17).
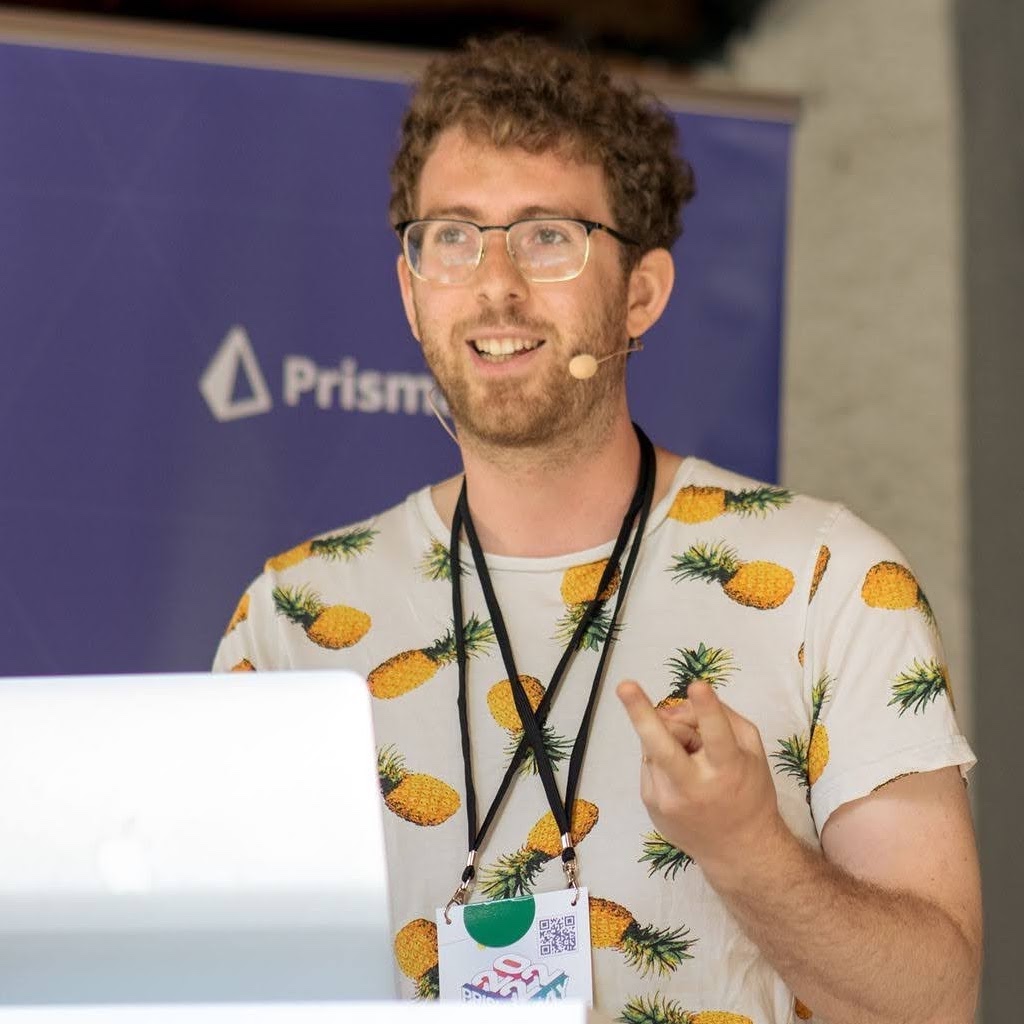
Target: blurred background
(900,331)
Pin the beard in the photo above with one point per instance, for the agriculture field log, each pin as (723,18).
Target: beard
(550,408)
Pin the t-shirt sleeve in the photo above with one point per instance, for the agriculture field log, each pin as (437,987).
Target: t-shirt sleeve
(244,645)
(874,665)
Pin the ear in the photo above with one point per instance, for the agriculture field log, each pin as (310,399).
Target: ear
(650,285)
(405,286)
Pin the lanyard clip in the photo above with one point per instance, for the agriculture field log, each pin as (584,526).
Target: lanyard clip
(462,891)
(570,866)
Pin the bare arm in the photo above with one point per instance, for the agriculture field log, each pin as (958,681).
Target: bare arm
(883,924)
(886,924)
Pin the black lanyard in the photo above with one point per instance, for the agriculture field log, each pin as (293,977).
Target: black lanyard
(533,722)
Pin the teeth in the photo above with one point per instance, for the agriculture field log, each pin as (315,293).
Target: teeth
(503,346)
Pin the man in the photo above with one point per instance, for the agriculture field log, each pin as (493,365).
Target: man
(803,843)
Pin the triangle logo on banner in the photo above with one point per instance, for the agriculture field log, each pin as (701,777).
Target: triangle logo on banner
(233,383)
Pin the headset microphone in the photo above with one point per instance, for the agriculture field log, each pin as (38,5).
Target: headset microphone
(584,366)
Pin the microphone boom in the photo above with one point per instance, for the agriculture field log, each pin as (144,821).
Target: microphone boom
(584,366)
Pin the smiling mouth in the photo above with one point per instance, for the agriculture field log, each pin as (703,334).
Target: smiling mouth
(501,350)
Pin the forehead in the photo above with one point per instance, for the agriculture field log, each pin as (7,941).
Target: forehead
(475,179)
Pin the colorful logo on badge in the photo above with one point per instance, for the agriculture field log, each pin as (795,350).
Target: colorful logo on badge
(516,978)
(512,976)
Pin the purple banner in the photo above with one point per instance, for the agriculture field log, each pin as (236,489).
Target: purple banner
(203,357)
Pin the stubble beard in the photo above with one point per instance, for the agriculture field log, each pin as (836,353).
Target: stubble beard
(551,412)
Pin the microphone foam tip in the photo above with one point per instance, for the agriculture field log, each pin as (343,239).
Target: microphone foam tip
(583,366)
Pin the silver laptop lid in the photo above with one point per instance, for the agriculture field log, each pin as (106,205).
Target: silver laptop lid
(191,837)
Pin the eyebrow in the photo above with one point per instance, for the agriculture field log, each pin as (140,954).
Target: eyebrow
(451,212)
(473,214)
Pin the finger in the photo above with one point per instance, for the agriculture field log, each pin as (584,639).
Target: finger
(684,734)
(748,736)
(656,741)
(679,708)
(716,732)
(681,720)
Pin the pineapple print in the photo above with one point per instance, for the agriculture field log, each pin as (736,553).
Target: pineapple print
(711,664)
(406,670)
(338,545)
(416,953)
(436,564)
(761,585)
(515,873)
(503,710)
(817,749)
(657,1009)
(791,758)
(240,614)
(803,1011)
(645,947)
(893,586)
(331,626)
(914,688)
(805,758)
(245,665)
(700,504)
(819,570)
(418,798)
(663,856)
(578,589)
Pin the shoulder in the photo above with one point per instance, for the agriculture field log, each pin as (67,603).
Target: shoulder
(753,519)
(383,545)
(356,567)
(706,498)
(340,542)
(704,491)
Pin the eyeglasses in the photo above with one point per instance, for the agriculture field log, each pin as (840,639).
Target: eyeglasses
(543,249)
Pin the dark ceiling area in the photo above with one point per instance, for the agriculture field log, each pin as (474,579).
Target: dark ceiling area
(676,32)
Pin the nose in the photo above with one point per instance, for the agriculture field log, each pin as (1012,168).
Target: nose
(497,278)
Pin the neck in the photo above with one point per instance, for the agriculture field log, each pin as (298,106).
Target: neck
(569,501)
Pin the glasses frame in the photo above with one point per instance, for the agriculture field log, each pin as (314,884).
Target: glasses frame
(590,226)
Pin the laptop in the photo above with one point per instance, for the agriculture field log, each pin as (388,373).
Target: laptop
(191,839)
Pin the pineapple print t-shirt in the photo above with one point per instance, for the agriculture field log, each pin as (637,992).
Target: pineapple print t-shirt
(807,622)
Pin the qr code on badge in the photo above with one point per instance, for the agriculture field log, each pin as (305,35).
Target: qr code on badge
(557,935)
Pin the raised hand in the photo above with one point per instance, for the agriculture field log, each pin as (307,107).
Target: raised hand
(705,778)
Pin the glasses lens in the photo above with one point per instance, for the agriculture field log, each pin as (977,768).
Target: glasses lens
(445,251)
(549,250)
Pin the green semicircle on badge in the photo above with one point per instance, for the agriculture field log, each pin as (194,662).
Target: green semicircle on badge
(499,922)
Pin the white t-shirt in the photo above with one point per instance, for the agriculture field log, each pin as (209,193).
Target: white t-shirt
(807,621)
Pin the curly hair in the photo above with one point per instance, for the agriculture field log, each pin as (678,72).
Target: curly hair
(524,92)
